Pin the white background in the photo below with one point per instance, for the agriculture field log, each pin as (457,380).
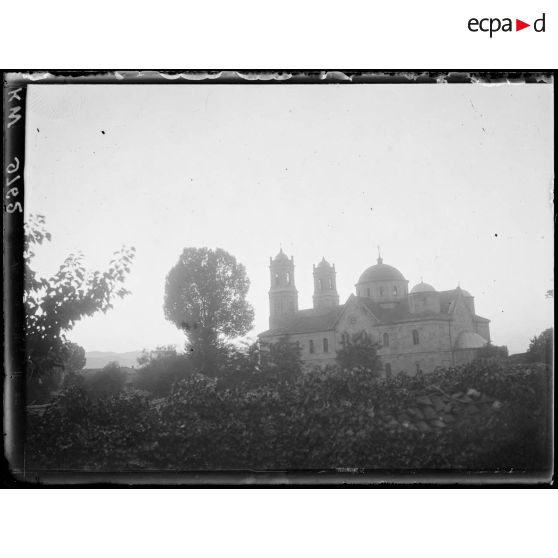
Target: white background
(286,34)
(282,523)
(278,523)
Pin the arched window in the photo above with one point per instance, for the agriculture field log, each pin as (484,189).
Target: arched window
(394,290)
(311,346)
(326,345)
(368,292)
(321,284)
(415,337)
(277,279)
(288,278)
(381,291)
(417,367)
(330,282)
(386,340)
(388,369)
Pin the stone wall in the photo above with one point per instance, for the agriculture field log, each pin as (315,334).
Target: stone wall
(432,350)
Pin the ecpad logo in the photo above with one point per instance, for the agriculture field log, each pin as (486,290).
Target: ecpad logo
(494,24)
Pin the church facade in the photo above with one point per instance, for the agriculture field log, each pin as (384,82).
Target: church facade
(416,330)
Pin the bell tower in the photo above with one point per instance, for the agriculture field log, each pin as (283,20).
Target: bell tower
(283,296)
(325,286)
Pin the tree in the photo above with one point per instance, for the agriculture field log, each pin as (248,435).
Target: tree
(541,346)
(205,296)
(53,305)
(492,351)
(108,381)
(359,352)
(74,362)
(161,369)
(282,358)
(75,357)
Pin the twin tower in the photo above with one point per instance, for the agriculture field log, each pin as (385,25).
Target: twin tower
(283,296)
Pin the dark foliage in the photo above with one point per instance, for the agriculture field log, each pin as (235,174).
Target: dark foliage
(281,360)
(108,381)
(541,347)
(359,351)
(161,369)
(77,432)
(320,420)
(491,351)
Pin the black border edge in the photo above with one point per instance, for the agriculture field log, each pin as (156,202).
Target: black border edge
(13,168)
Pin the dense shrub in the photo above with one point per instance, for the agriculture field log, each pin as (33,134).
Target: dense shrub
(161,369)
(325,419)
(80,433)
(109,380)
(541,347)
(360,350)
(491,351)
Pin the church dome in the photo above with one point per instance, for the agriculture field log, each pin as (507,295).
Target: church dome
(281,257)
(381,272)
(324,264)
(423,287)
(469,340)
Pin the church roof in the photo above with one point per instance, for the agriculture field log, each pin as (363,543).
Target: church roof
(324,264)
(317,320)
(309,321)
(423,287)
(281,257)
(447,300)
(399,312)
(381,272)
(469,340)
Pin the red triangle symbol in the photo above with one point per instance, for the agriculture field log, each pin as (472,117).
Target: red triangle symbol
(519,25)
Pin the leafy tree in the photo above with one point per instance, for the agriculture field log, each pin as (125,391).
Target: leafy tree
(75,357)
(205,296)
(108,381)
(282,358)
(359,352)
(162,351)
(541,347)
(53,305)
(492,351)
(161,369)
(74,362)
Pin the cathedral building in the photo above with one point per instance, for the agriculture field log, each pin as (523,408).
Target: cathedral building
(416,330)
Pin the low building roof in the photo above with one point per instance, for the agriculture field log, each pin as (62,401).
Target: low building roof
(308,321)
(469,340)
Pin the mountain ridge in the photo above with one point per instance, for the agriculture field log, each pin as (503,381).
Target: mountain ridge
(99,359)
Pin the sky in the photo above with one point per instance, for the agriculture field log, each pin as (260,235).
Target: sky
(453,182)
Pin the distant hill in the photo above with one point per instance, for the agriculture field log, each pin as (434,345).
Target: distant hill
(99,359)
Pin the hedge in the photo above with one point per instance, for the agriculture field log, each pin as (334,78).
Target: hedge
(484,416)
